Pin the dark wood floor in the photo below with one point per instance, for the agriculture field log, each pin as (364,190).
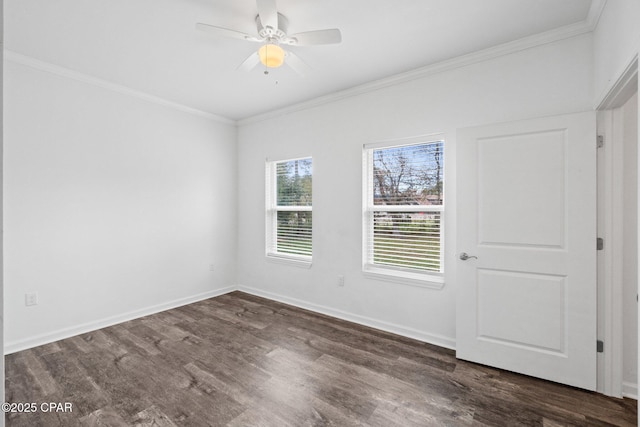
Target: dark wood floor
(240,360)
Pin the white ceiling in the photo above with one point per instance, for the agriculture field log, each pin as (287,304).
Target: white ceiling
(152,45)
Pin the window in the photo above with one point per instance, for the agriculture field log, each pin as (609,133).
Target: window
(403,209)
(289,209)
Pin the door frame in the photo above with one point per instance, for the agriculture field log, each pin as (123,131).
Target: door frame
(610,208)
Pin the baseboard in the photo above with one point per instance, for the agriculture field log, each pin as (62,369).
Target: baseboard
(19,345)
(434,339)
(630,390)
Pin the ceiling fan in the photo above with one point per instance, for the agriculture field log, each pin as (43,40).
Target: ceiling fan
(272,29)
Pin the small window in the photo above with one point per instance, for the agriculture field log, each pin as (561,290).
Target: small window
(289,209)
(403,210)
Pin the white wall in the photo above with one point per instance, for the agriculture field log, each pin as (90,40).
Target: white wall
(114,206)
(616,41)
(551,79)
(630,245)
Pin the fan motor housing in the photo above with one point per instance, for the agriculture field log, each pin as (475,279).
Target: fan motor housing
(273,33)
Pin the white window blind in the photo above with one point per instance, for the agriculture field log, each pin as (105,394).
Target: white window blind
(406,239)
(289,209)
(404,203)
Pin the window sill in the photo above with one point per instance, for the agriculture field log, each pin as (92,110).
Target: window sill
(289,260)
(422,280)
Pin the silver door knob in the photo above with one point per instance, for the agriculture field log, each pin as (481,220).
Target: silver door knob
(465,256)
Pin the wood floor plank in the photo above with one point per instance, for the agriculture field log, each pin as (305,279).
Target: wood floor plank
(39,374)
(241,360)
(152,417)
(18,384)
(124,395)
(258,417)
(386,389)
(79,343)
(128,338)
(103,340)
(103,417)
(74,383)
(168,330)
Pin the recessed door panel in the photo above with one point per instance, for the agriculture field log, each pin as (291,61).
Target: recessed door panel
(522,310)
(521,179)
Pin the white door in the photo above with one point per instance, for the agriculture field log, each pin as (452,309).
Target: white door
(527,211)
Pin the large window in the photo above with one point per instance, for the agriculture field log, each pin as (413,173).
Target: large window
(403,210)
(289,209)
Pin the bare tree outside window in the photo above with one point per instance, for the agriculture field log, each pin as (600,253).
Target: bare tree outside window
(409,175)
(409,180)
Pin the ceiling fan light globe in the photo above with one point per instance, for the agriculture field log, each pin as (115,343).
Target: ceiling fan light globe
(271,55)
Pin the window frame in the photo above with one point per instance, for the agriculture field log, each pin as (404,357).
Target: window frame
(271,216)
(408,276)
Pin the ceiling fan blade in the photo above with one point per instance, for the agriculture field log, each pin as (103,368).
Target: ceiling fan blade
(225,32)
(251,61)
(268,13)
(309,38)
(297,64)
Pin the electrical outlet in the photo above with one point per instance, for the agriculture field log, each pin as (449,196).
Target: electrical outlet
(211,267)
(340,280)
(31,298)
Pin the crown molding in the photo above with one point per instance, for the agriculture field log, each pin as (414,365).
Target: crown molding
(595,12)
(47,67)
(562,33)
(618,92)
